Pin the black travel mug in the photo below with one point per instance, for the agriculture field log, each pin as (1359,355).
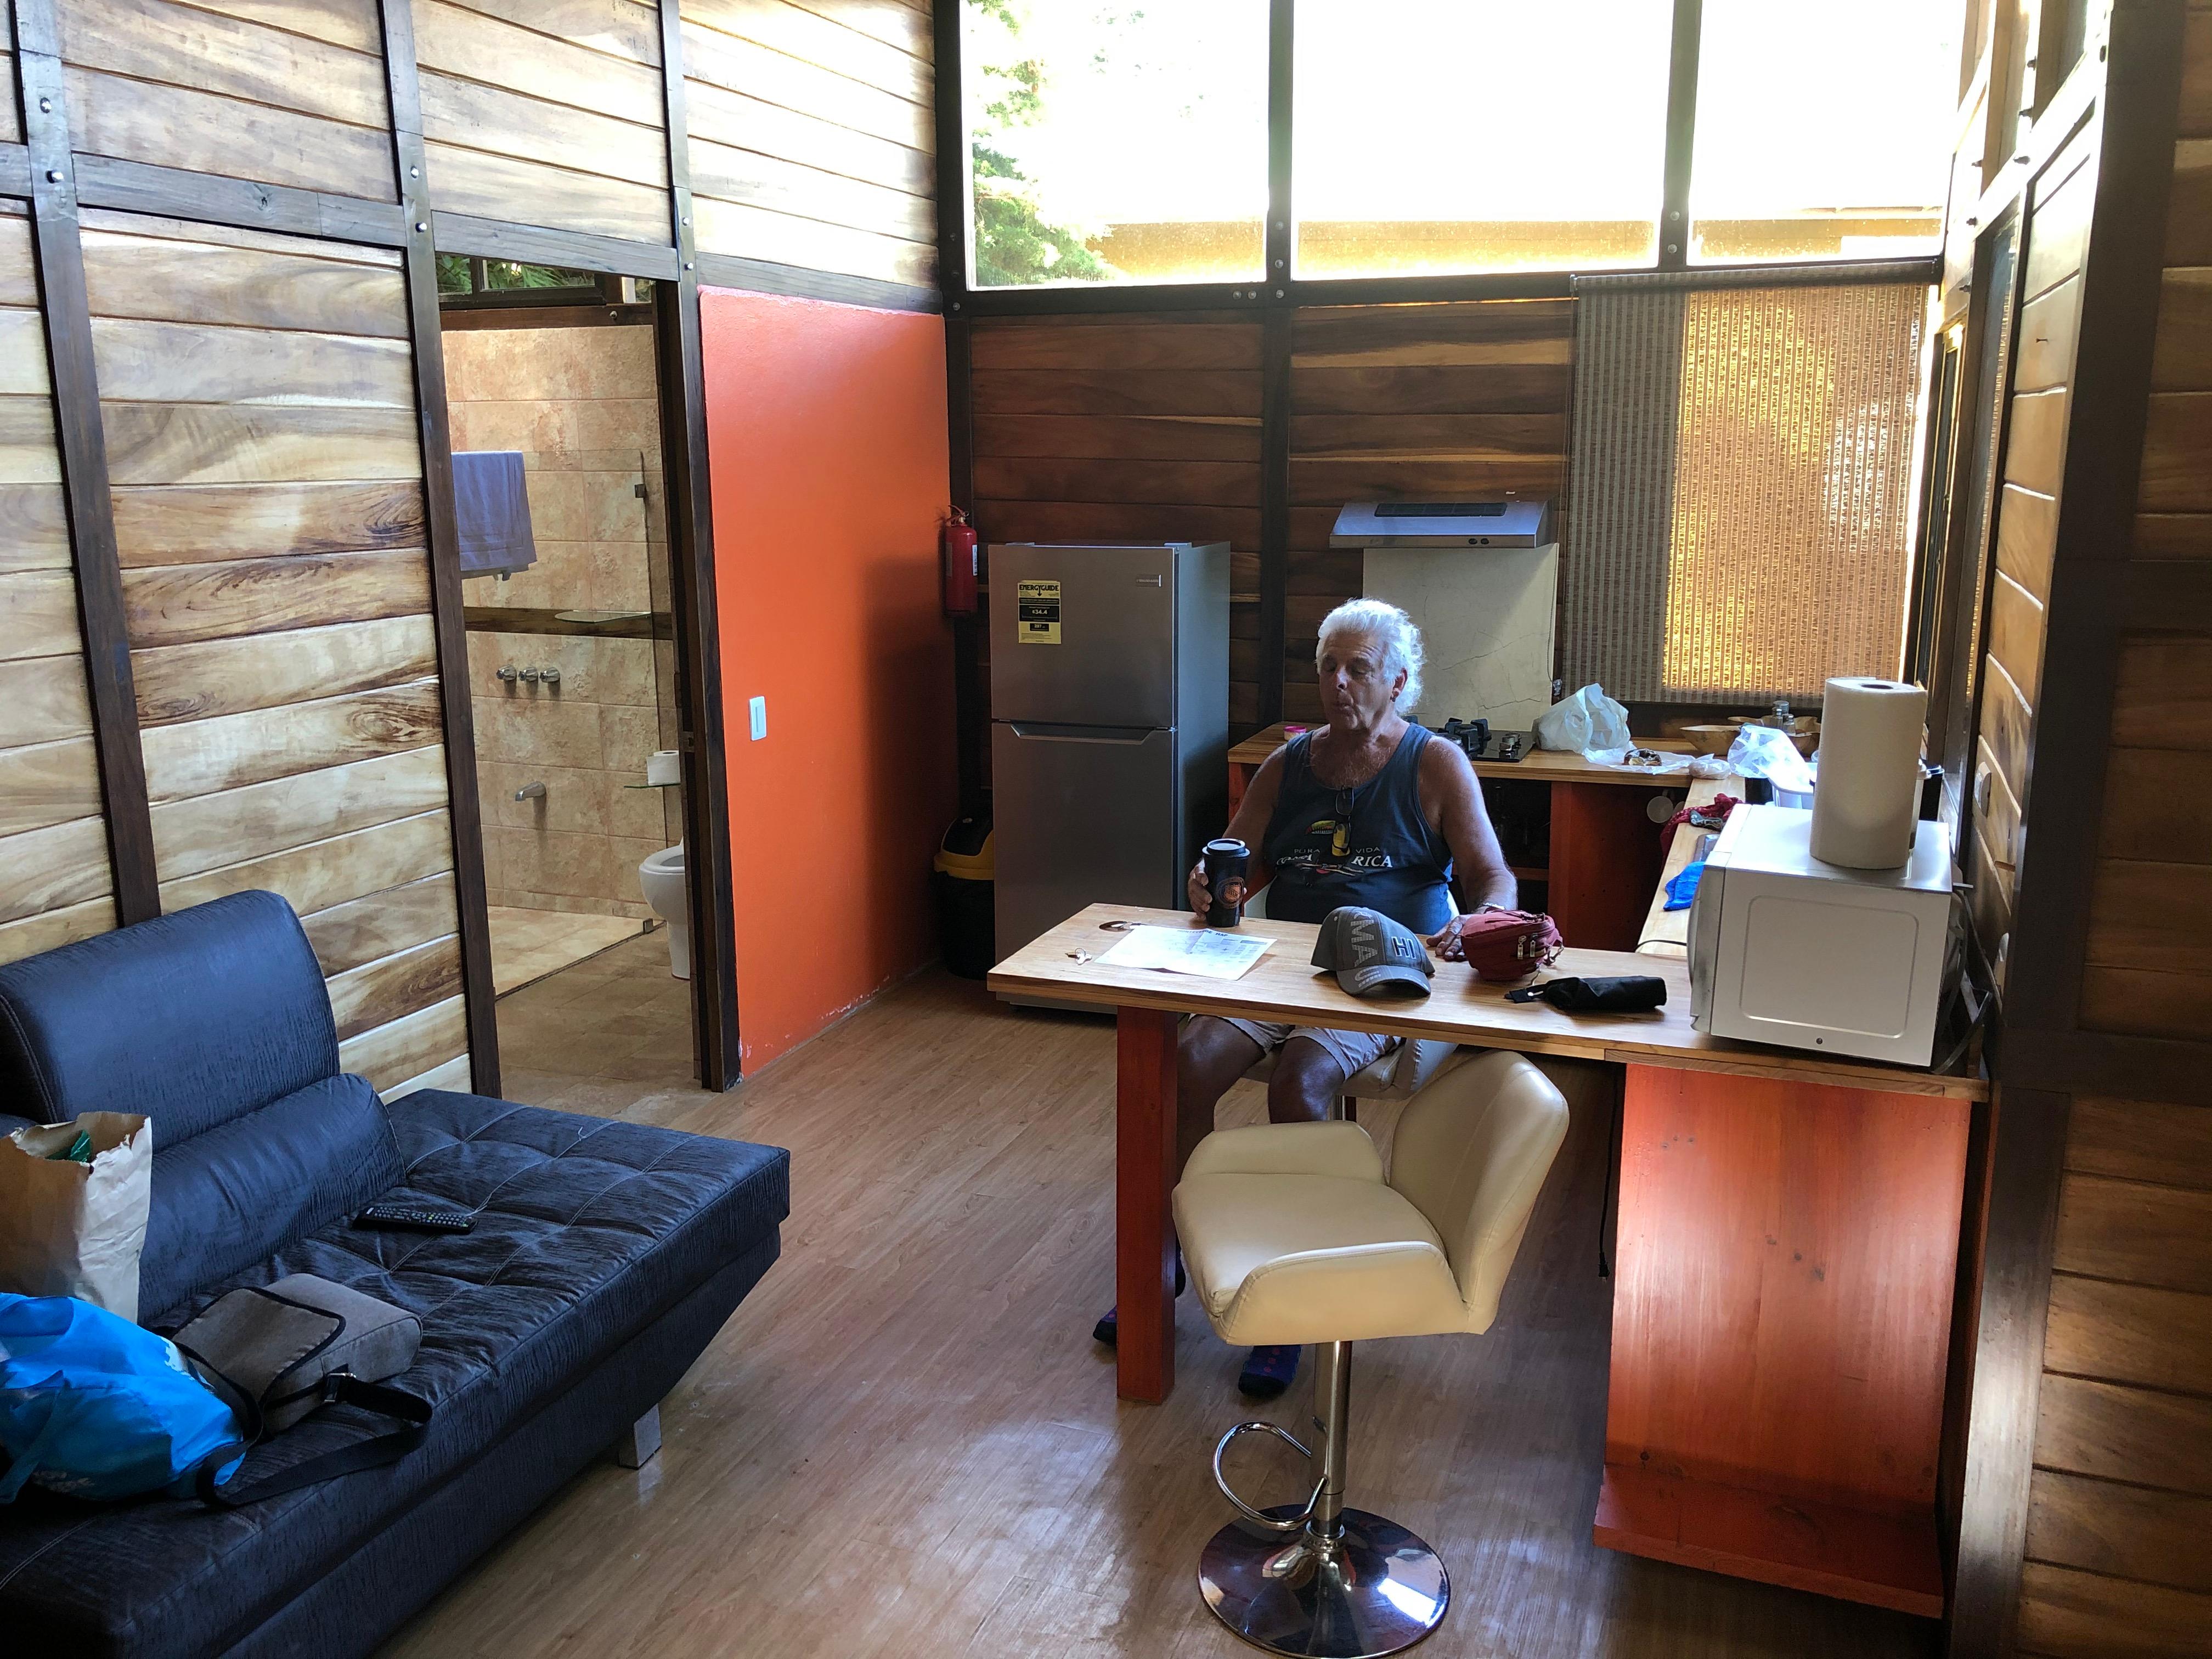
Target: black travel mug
(1226,863)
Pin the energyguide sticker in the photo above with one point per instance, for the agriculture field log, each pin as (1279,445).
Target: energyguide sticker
(1036,613)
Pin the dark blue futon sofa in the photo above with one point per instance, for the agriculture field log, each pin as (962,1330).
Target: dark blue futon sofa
(604,1258)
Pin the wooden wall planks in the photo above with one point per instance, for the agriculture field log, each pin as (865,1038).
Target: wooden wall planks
(280,632)
(1442,400)
(1128,428)
(1149,426)
(215,88)
(2081,1615)
(552,119)
(2121,1491)
(812,134)
(2025,534)
(54,880)
(259,392)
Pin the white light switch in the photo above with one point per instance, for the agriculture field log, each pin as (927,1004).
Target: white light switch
(758,709)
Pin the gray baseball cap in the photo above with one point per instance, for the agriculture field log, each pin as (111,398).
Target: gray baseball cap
(1372,956)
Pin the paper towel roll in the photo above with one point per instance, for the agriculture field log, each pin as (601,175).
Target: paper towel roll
(664,766)
(1867,791)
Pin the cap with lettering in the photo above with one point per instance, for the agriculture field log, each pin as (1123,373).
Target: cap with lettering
(1372,956)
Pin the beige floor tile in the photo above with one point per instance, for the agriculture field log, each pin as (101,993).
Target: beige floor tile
(528,945)
(541,861)
(633,813)
(574,802)
(538,729)
(627,737)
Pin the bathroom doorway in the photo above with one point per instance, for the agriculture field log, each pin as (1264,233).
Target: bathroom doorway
(554,412)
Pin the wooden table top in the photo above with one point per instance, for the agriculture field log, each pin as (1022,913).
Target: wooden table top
(1666,932)
(1542,765)
(1283,985)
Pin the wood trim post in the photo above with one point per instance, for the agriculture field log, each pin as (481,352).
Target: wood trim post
(971,711)
(65,311)
(1276,329)
(455,706)
(1681,134)
(1276,323)
(2108,408)
(971,700)
(697,615)
(2027,1155)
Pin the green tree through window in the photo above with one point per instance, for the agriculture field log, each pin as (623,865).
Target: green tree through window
(1013,243)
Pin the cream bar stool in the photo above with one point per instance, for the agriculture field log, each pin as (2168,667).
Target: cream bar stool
(1292,1234)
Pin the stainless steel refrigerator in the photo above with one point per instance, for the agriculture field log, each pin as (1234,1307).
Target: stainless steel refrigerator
(1110,725)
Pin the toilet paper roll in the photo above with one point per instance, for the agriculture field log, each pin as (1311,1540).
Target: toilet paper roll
(666,766)
(1867,791)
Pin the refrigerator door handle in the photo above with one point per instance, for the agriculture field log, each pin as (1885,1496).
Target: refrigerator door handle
(1123,734)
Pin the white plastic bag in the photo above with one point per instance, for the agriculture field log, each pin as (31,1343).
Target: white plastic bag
(1589,719)
(1765,751)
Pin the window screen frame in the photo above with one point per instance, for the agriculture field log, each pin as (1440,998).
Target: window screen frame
(1281,287)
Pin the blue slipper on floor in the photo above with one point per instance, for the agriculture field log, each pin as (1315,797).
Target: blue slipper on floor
(1108,1330)
(1268,1372)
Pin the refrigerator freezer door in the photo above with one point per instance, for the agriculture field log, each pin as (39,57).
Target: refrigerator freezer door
(1100,649)
(1082,816)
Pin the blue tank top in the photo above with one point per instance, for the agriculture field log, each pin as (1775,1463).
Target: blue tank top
(1381,853)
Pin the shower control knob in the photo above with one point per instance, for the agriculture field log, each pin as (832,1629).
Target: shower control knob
(551,676)
(506,671)
(530,676)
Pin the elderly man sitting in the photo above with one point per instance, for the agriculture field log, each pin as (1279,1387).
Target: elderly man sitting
(1368,810)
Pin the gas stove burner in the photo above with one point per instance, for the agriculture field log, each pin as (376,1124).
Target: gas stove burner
(1480,742)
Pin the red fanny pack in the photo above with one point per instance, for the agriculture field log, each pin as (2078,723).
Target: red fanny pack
(1508,944)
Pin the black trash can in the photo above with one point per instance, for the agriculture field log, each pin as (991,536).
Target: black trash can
(965,867)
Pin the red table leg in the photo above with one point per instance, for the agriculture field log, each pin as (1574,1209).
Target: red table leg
(1144,1176)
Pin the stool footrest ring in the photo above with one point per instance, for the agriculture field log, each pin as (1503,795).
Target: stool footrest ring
(1261,1517)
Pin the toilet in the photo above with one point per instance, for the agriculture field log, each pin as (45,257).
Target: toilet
(662,875)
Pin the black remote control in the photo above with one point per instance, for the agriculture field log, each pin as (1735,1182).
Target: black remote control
(408,1218)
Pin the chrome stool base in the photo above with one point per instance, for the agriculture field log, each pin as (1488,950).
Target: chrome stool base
(1375,1588)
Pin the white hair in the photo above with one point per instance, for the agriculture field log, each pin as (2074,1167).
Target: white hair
(1391,628)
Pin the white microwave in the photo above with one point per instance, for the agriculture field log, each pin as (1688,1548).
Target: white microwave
(1787,950)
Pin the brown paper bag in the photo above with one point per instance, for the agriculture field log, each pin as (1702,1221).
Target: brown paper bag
(70,1229)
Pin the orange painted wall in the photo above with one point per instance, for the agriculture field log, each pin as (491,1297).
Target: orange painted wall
(826,438)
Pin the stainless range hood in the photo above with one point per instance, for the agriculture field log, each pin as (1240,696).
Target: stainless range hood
(1444,524)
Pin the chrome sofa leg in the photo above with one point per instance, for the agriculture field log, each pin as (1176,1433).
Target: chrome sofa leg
(635,1448)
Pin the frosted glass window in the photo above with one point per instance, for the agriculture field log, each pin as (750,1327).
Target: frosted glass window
(1824,132)
(1116,144)
(1436,137)
(1742,466)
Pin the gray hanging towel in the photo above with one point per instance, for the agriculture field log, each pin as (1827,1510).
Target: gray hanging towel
(493,510)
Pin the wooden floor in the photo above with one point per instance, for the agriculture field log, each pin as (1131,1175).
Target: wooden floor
(904,1444)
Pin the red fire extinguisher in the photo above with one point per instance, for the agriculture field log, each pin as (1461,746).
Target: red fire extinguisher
(959,547)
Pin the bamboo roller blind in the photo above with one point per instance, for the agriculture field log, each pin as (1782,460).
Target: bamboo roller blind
(1742,470)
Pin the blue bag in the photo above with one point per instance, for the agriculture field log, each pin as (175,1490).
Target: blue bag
(1682,892)
(93,1406)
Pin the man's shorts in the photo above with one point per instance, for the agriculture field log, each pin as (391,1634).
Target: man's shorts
(1355,1051)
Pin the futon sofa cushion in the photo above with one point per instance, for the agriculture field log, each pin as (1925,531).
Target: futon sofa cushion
(191,1018)
(225,1199)
(588,1230)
